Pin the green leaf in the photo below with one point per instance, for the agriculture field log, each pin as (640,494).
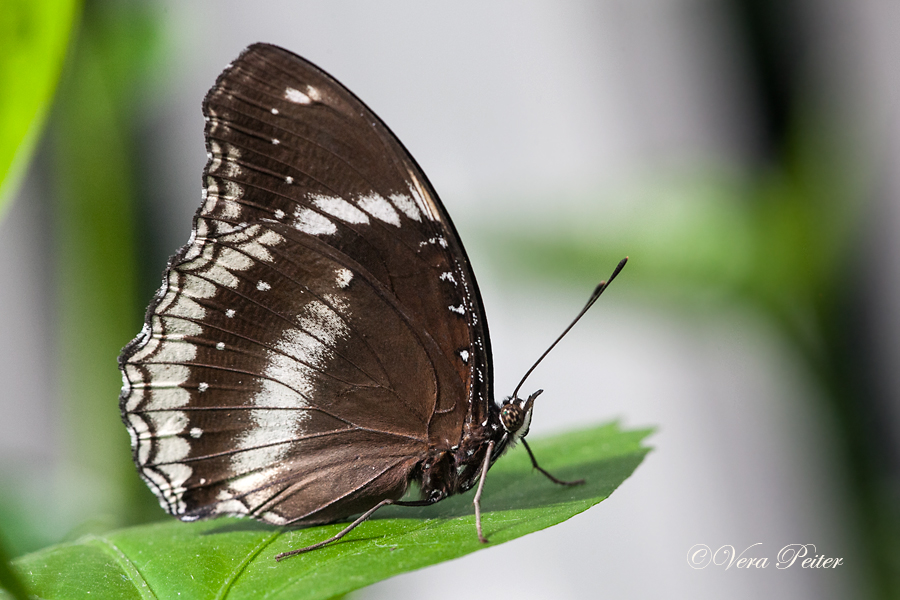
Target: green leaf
(231,558)
(34,35)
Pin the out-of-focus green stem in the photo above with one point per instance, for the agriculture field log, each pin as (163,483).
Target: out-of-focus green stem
(94,158)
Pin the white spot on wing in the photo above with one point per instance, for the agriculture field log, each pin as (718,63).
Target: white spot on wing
(296,96)
(289,180)
(343,277)
(274,111)
(461,309)
(211,197)
(232,168)
(171,348)
(448,276)
(169,481)
(165,381)
(257,247)
(166,424)
(196,432)
(214,154)
(464,354)
(407,206)
(313,93)
(435,240)
(137,427)
(379,208)
(273,518)
(322,322)
(220,346)
(340,208)
(227,505)
(202,387)
(275,141)
(263,286)
(313,223)
(230,313)
(172,326)
(171,450)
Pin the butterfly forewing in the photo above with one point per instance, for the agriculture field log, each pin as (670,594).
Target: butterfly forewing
(321,330)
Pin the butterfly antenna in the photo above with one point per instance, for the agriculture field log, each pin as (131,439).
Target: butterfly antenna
(596,294)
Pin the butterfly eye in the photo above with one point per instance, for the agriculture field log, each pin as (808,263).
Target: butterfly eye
(511,416)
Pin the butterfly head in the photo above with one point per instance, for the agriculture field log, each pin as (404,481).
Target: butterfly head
(515,414)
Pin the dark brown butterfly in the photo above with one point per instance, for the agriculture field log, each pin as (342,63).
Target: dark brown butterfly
(320,342)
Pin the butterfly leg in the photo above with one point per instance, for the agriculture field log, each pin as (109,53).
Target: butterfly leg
(546,474)
(338,535)
(477,501)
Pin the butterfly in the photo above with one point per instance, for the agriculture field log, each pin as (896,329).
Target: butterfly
(320,342)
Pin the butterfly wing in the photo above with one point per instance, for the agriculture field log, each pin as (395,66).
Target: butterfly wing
(321,330)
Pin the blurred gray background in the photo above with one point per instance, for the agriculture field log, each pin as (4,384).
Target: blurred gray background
(595,115)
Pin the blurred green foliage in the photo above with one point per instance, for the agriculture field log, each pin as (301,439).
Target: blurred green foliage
(93,154)
(34,36)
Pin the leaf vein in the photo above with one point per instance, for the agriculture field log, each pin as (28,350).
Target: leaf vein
(140,583)
(230,581)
